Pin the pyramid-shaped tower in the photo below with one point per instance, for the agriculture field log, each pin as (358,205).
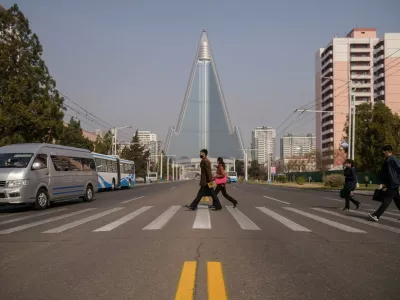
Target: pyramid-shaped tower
(204,119)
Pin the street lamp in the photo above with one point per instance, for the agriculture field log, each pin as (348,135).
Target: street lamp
(245,162)
(115,137)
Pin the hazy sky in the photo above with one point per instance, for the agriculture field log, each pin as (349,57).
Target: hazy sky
(128,62)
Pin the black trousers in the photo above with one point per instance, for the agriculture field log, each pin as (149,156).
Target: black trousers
(222,188)
(391,194)
(204,191)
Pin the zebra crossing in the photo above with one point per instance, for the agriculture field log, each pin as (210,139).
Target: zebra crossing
(118,217)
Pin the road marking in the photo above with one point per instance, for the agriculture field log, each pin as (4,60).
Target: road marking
(82,221)
(163,219)
(32,216)
(360,213)
(386,212)
(123,220)
(185,289)
(202,220)
(133,199)
(369,223)
(325,221)
(285,221)
(235,187)
(277,200)
(174,187)
(333,199)
(215,281)
(23,227)
(243,221)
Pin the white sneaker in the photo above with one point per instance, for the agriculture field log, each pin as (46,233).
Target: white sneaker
(374,218)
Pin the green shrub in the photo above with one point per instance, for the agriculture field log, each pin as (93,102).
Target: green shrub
(300,180)
(281,178)
(334,181)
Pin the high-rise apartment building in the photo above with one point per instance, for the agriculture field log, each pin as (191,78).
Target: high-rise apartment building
(263,142)
(297,146)
(387,71)
(149,140)
(351,60)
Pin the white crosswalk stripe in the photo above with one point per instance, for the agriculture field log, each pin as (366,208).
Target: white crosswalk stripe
(32,216)
(123,220)
(325,221)
(386,213)
(244,222)
(82,221)
(163,219)
(277,200)
(285,221)
(356,219)
(30,225)
(202,220)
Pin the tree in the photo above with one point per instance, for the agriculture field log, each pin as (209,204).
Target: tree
(31,109)
(137,153)
(104,145)
(376,126)
(254,170)
(71,135)
(239,166)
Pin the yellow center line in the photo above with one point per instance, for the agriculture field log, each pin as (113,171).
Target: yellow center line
(186,282)
(216,284)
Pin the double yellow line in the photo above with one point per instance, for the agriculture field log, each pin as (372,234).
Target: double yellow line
(215,281)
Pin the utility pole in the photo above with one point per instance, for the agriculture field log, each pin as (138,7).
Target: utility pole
(353,118)
(269,162)
(114,131)
(167,179)
(173,171)
(161,163)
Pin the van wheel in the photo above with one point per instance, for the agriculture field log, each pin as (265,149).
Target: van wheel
(42,199)
(113,185)
(89,194)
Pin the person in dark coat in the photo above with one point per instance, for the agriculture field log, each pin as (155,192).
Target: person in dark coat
(390,180)
(350,184)
(205,178)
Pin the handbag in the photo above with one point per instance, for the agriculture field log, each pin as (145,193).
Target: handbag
(221,180)
(341,193)
(379,195)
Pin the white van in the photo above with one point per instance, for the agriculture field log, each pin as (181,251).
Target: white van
(43,173)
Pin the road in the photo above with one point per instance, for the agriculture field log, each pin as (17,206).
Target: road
(142,244)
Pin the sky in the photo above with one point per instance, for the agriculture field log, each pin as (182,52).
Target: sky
(128,62)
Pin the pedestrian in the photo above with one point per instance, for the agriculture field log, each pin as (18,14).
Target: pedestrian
(350,184)
(390,180)
(221,187)
(206,180)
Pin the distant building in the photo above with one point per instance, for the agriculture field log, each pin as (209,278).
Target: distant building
(366,61)
(263,143)
(149,140)
(296,146)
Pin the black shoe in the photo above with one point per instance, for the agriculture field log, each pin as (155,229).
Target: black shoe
(211,206)
(190,207)
(235,204)
(219,208)
(358,205)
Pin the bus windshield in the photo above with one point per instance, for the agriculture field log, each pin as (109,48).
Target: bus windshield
(233,174)
(15,160)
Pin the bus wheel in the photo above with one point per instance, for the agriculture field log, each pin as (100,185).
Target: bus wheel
(42,199)
(129,184)
(113,185)
(89,194)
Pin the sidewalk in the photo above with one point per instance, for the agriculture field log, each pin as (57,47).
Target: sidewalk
(317,187)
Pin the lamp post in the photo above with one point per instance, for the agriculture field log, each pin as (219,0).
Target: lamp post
(245,163)
(115,137)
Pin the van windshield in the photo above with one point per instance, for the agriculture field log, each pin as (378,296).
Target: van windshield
(15,160)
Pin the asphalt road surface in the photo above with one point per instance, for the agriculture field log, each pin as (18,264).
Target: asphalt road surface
(142,244)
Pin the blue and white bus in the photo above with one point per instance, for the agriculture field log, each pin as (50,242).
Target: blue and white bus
(232,176)
(114,172)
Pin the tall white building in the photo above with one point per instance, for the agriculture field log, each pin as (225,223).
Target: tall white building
(296,146)
(149,140)
(263,142)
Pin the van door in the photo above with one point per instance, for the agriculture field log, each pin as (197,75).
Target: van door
(41,176)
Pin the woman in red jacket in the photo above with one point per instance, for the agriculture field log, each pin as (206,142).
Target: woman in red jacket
(222,186)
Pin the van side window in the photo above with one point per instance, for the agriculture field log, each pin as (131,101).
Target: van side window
(75,164)
(42,159)
(88,164)
(57,162)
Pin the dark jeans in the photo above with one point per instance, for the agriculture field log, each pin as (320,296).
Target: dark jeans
(391,194)
(204,191)
(222,188)
(348,199)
